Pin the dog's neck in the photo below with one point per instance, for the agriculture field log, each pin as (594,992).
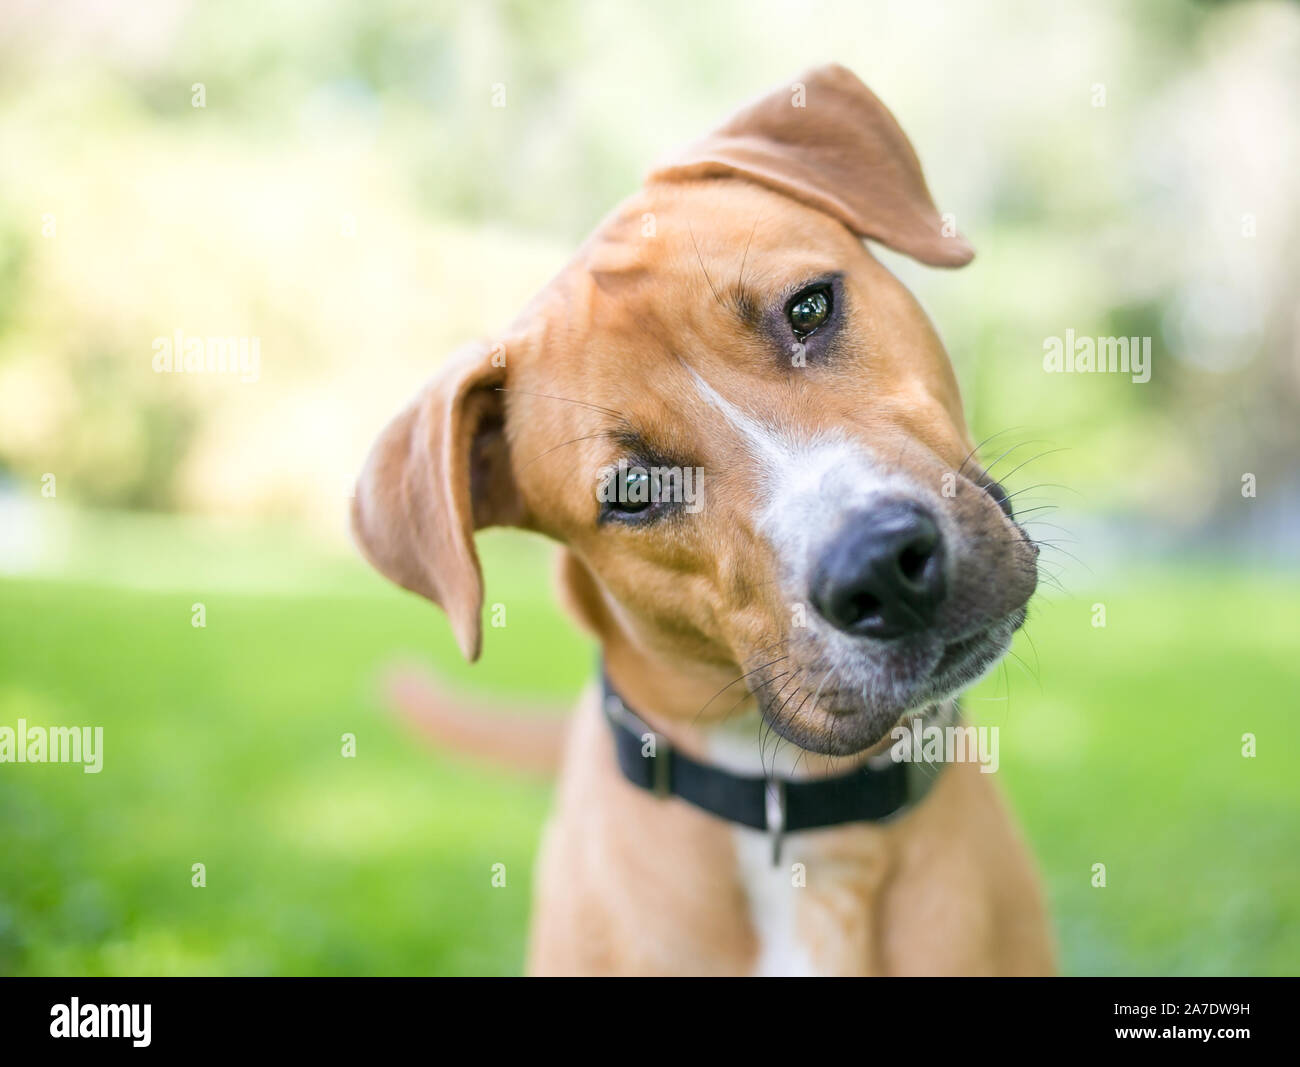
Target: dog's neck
(689,701)
(675,692)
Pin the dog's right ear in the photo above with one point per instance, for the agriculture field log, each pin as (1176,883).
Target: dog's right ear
(439,471)
(829,142)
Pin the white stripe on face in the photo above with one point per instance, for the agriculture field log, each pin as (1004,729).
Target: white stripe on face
(807,484)
(764,443)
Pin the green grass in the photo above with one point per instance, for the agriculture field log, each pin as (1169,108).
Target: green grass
(1128,752)
(222,746)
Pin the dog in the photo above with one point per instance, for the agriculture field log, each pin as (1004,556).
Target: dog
(747,437)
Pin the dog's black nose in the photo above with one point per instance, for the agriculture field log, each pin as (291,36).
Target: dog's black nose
(882,575)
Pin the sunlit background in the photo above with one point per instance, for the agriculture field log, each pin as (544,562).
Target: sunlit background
(348,194)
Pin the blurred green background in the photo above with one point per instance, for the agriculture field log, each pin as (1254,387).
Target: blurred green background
(349,195)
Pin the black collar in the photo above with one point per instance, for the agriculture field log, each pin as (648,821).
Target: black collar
(876,791)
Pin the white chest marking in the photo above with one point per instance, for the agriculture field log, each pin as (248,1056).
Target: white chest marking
(773,897)
(773,905)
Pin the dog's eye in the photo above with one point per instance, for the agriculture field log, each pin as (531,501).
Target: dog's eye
(809,310)
(633,491)
(627,490)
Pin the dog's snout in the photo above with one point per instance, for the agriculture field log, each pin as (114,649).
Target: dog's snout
(883,574)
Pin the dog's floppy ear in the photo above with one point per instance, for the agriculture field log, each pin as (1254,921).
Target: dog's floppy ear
(827,141)
(439,471)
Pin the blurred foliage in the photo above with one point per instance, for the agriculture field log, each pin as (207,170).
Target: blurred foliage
(232,219)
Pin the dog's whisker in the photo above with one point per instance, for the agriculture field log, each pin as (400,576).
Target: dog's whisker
(773,718)
(1044,485)
(754,690)
(564,399)
(1045,522)
(988,468)
(571,441)
(741,678)
(1032,459)
(704,269)
(740,279)
(777,737)
(1066,552)
(793,715)
(1025,668)
(1037,661)
(1054,582)
(991,437)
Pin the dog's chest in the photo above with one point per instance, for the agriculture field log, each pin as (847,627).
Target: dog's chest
(814,911)
(774,906)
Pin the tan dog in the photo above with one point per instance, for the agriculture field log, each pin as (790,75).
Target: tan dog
(836,564)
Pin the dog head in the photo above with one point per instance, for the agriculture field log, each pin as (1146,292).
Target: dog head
(743,427)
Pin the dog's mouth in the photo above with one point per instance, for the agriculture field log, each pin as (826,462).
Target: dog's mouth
(958,654)
(966,660)
(844,708)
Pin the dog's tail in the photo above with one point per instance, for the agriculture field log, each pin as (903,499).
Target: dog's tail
(509,738)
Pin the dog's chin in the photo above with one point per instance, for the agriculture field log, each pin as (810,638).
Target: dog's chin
(866,701)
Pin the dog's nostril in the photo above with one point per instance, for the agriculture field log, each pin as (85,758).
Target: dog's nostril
(913,558)
(862,606)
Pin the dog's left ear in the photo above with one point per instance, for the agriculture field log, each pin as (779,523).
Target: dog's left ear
(828,141)
(439,471)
